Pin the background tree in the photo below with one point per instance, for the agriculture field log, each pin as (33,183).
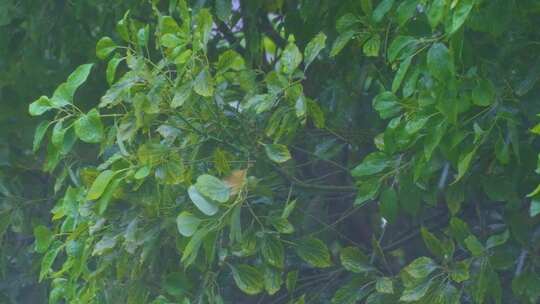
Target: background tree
(40,44)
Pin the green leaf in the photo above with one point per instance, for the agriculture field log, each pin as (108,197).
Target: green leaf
(373,163)
(459,230)
(112,66)
(261,102)
(230,60)
(224,10)
(460,272)
(300,300)
(282,225)
(434,245)
(167,25)
(204,26)
(354,260)
(40,106)
(192,248)
(277,153)
(187,223)
(235,231)
(481,284)
(171,41)
(142,172)
(99,184)
(39,134)
(405,11)
(413,126)
(204,84)
(440,62)
(183,57)
(69,141)
(314,252)
(389,207)
(502,151)
(273,252)
(367,191)
(497,239)
(433,139)
(171,171)
(400,74)
(272,280)
(43,237)
(421,268)
(143,35)
(382,9)
(352,292)
(313,48)
(372,46)
(484,93)
(367,6)
(316,114)
(213,188)
(529,81)
(205,206)
(177,284)
(400,44)
(300,107)
(290,59)
(474,246)
(48,259)
(384,285)
(536,129)
(122,27)
(435,12)
(248,279)
(535,192)
(526,284)
(417,292)
(107,196)
(63,95)
(387,105)
(58,132)
(291,279)
(52,159)
(89,127)
(289,208)
(464,163)
(341,42)
(461,13)
(348,21)
(181,95)
(104,47)
(534,209)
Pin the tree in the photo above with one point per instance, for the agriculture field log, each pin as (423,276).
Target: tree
(303,151)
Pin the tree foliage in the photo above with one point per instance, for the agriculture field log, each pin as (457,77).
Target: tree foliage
(41,43)
(298,151)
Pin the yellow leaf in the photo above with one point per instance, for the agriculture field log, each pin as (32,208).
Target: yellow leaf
(236,180)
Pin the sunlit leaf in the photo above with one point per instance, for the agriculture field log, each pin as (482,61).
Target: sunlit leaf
(248,279)
(203,204)
(99,185)
(104,47)
(313,48)
(314,252)
(187,223)
(277,153)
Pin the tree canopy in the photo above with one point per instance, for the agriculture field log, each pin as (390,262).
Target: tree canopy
(267,151)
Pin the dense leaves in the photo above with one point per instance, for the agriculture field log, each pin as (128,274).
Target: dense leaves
(297,152)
